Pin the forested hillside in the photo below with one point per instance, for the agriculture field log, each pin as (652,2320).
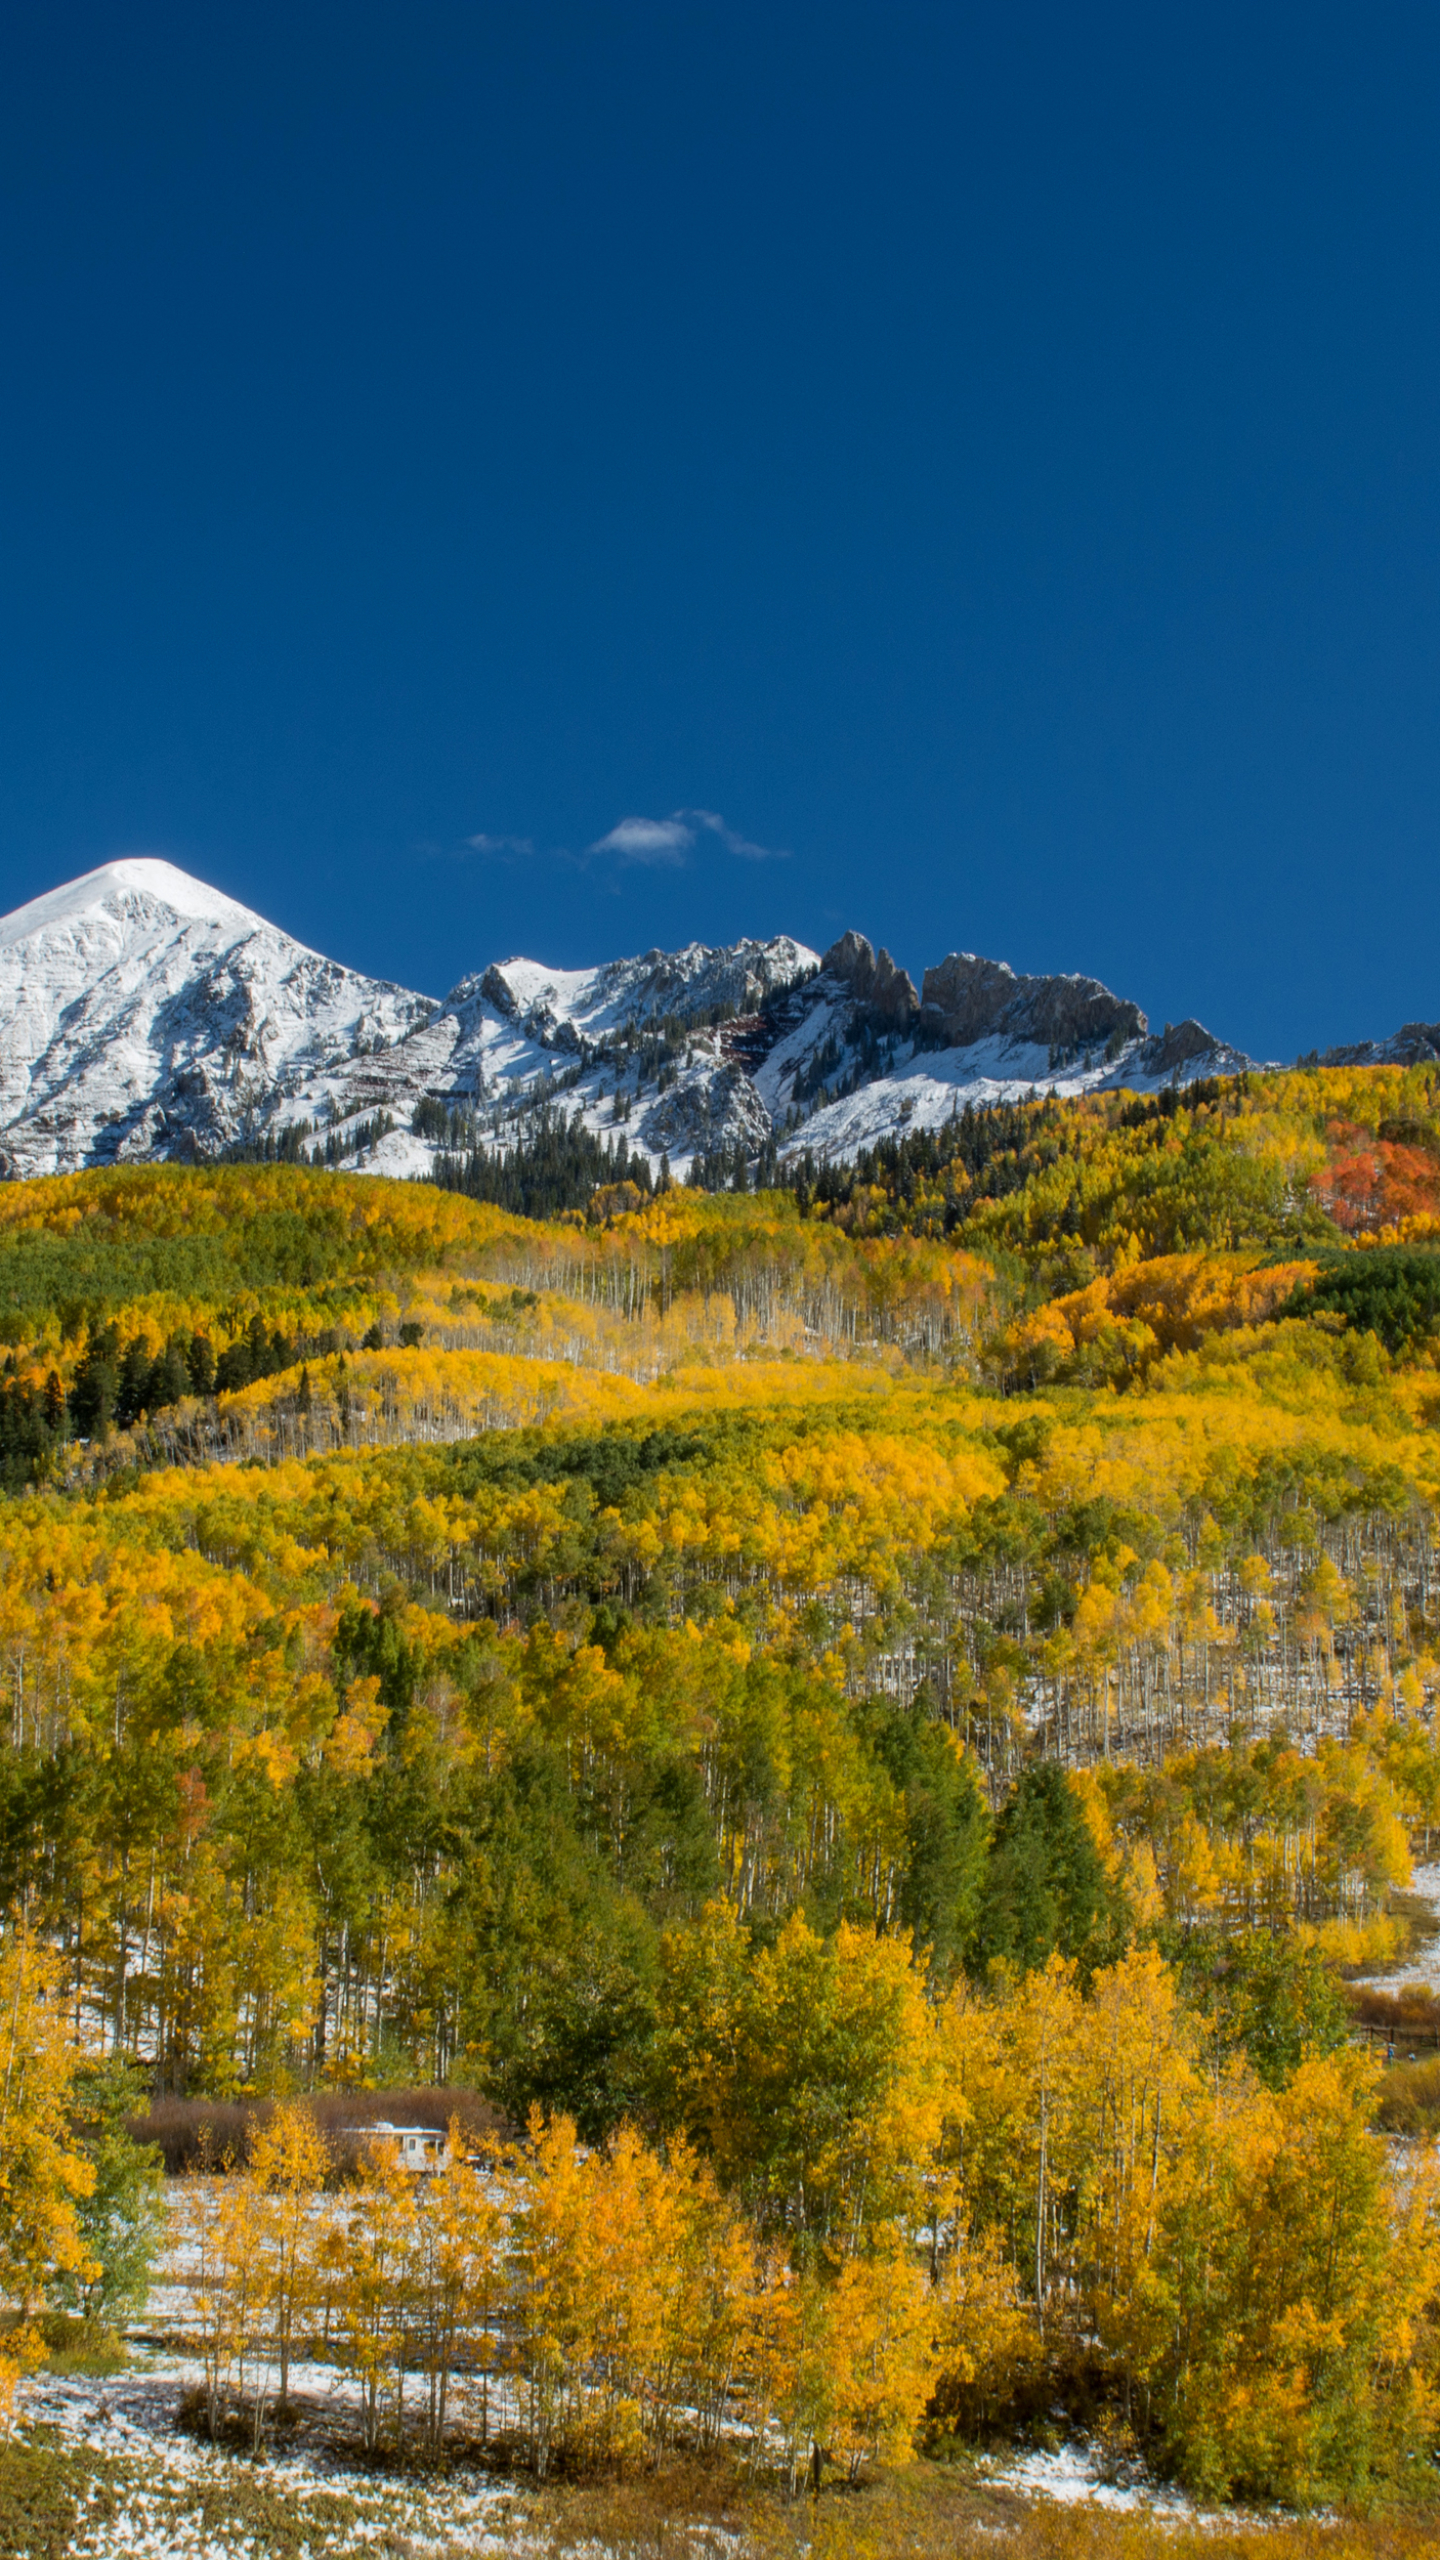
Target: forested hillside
(845,1673)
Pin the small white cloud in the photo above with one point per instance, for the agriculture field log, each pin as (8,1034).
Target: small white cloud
(672,840)
(649,840)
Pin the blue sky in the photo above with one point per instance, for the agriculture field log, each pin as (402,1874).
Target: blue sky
(562,479)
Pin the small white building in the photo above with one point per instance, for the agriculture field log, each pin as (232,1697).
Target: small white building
(418,2146)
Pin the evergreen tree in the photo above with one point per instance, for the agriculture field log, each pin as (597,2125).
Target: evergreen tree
(97,1385)
(947,1826)
(1045,1887)
(554,1164)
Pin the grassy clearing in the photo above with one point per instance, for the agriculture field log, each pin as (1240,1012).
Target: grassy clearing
(1408,2098)
(925,2512)
(47,2493)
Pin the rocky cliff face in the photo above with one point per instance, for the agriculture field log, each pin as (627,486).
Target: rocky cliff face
(872,979)
(143,1014)
(976,999)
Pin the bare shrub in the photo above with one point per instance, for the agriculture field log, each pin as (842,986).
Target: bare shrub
(1411,2009)
(202,2133)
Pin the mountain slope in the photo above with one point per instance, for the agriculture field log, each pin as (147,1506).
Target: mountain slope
(147,1015)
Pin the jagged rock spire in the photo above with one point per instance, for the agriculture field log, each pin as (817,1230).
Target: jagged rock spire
(875,981)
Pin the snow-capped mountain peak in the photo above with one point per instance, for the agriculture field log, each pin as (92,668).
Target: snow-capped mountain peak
(146,1013)
(137,890)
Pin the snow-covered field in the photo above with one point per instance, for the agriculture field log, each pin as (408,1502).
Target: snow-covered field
(160,2494)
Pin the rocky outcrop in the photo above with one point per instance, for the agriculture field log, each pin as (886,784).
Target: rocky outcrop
(1180,1044)
(720,1108)
(974,999)
(566,1008)
(493,987)
(1415,1044)
(872,978)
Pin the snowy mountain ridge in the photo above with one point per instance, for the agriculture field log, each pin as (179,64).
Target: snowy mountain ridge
(570,1006)
(145,1015)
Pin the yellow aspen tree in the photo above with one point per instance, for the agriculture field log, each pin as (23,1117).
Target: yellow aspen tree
(290,2160)
(1044,2027)
(43,2170)
(973,2141)
(814,2074)
(631,2253)
(987,2341)
(882,2320)
(1136,2082)
(792,2373)
(460,2250)
(1331,2285)
(487,2197)
(202,2227)
(709,2313)
(372,2249)
(275,1982)
(765,2355)
(552,2309)
(249,2263)
(1292,2348)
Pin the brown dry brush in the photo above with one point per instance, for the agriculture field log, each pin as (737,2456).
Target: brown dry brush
(1408,2099)
(924,2512)
(194,2135)
(917,2515)
(1411,2009)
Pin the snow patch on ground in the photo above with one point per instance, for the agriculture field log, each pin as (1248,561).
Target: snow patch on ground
(1421,1968)
(175,2488)
(1074,2476)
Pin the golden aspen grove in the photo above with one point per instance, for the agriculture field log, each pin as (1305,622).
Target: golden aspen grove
(870,1723)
